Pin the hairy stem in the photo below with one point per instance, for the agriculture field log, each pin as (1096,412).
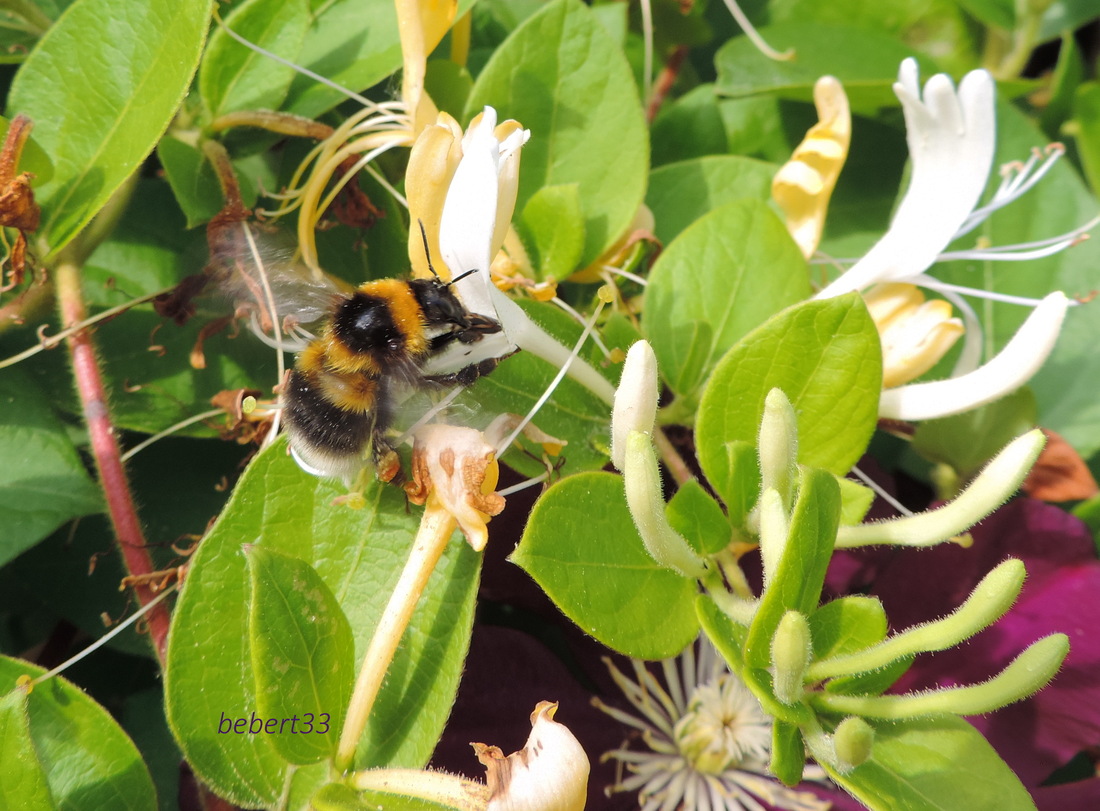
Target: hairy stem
(435,531)
(105,449)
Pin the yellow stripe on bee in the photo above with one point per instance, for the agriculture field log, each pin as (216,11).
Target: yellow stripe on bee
(327,354)
(404,310)
(348,392)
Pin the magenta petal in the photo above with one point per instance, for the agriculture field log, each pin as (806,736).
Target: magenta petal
(1061,595)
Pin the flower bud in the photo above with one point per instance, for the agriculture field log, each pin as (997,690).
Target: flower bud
(635,407)
(852,741)
(792,651)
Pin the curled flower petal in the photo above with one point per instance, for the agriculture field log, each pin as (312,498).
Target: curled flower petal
(1011,368)
(803,186)
(915,333)
(951,135)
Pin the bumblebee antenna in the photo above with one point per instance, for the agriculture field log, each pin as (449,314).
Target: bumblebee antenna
(427,250)
(428,256)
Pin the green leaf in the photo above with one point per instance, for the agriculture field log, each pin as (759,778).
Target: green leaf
(33,159)
(699,518)
(934,27)
(867,64)
(573,413)
(788,753)
(724,275)
(967,441)
(50,484)
(680,193)
(87,760)
(1069,73)
(694,114)
(552,228)
(855,499)
(354,43)
(826,357)
(727,637)
(737,479)
(359,554)
(795,585)
(564,78)
(847,625)
(934,763)
(1086,130)
(581,547)
(1065,15)
(303,653)
(233,76)
(24,784)
(998,13)
(102,85)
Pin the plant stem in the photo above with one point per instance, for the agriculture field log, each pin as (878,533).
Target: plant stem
(435,531)
(105,449)
(675,463)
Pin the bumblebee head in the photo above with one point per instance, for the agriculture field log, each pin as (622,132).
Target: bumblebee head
(439,304)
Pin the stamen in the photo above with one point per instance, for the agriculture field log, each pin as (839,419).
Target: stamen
(990,295)
(880,491)
(580,320)
(431,413)
(107,637)
(50,341)
(179,426)
(754,36)
(1018,180)
(626,274)
(523,485)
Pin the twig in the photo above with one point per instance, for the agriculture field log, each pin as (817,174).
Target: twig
(105,449)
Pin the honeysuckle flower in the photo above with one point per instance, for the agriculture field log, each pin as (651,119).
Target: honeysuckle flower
(951,136)
(803,185)
(480,176)
(550,773)
(915,333)
(421,25)
(454,470)
(1013,366)
(709,740)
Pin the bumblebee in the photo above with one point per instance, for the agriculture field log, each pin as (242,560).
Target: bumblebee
(339,400)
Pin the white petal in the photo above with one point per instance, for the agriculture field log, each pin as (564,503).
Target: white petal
(1011,368)
(951,138)
(469,214)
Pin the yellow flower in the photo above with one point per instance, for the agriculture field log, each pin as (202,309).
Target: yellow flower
(915,333)
(803,185)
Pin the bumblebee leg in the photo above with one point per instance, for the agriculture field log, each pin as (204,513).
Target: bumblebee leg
(464,376)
